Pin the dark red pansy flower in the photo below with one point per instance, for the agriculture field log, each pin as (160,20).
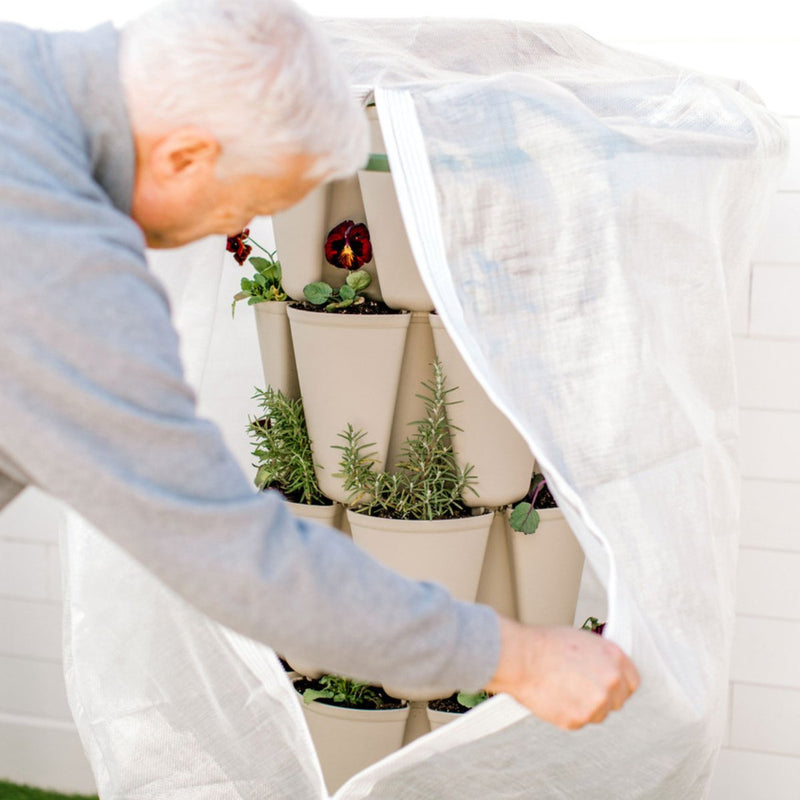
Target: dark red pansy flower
(348,245)
(239,247)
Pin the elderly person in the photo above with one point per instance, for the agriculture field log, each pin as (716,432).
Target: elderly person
(195,118)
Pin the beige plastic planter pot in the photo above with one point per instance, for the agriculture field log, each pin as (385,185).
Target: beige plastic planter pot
(300,234)
(348,740)
(438,718)
(348,366)
(417,724)
(275,346)
(446,551)
(547,568)
(328,514)
(299,240)
(401,284)
(417,367)
(503,462)
(496,587)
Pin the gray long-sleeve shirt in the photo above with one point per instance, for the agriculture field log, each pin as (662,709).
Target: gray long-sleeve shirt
(95,410)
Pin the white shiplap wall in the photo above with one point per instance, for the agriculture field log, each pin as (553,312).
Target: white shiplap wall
(761,759)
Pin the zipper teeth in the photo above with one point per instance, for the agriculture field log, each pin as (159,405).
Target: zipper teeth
(416,195)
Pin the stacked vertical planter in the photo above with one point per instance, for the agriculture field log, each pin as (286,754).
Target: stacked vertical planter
(367,370)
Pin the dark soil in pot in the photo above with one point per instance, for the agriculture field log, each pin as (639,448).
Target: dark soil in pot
(369,306)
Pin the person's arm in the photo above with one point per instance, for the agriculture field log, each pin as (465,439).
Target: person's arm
(95,411)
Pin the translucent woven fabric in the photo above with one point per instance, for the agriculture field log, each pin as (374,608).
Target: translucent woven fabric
(582,218)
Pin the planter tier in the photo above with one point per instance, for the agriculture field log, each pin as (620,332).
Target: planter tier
(502,459)
(348,740)
(300,231)
(446,551)
(348,366)
(547,568)
(275,346)
(401,283)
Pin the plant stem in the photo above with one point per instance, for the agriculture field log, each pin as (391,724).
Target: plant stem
(270,253)
(539,487)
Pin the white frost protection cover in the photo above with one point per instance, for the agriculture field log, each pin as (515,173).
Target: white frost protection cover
(582,218)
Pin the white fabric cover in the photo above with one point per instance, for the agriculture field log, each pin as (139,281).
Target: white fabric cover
(582,218)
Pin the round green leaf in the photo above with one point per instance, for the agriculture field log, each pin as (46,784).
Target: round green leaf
(359,280)
(318,292)
(524,518)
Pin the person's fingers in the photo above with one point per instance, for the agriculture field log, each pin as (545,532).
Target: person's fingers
(631,675)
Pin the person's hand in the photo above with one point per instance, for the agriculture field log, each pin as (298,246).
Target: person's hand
(566,676)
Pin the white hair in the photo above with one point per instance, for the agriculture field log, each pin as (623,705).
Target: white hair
(259,75)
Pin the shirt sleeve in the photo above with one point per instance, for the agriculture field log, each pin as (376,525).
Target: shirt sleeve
(95,410)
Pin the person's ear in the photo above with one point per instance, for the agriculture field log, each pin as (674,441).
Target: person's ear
(185,153)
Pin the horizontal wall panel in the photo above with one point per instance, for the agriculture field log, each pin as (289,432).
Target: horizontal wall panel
(43,754)
(24,570)
(743,775)
(774,293)
(770,517)
(769,373)
(766,652)
(30,629)
(33,688)
(766,719)
(768,584)
(770,445)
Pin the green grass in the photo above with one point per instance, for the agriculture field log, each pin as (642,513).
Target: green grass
(13,791)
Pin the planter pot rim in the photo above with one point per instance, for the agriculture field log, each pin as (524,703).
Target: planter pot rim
(419,526)
(294,504)
(272,306)
(400,319)
(342,712)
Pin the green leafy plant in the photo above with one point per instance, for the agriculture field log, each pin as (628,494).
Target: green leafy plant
(524,516)
(348,247)
(347,692)
(265,285)
(283,448)
(427,483)
(321,293)
(471,700)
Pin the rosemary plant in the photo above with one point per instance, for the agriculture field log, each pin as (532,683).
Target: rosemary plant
(283,449)
(427,483)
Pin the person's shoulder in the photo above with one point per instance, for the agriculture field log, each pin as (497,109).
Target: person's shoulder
(25,72)
(19,45)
